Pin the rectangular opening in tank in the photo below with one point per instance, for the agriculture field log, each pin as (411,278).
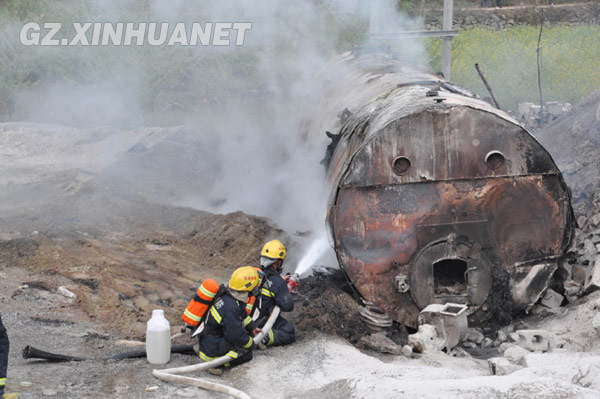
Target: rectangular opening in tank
(449,277)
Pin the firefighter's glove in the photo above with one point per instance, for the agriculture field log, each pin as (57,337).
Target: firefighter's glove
(262,344)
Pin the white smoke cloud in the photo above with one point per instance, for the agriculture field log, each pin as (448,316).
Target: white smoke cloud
(256,97)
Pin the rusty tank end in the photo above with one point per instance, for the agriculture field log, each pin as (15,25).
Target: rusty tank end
(438,197)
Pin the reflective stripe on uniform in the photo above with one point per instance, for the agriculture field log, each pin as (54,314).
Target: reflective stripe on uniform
(207,293)
(247,321)
(192,316)
(266,292)
(2,381)
(248,344)
(206,358)
(215,314)
(271,337)
(249,306)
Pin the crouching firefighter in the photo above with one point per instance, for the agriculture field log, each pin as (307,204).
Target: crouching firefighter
(275,292)
(227,330)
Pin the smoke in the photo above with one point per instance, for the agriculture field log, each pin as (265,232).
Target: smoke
(246,105)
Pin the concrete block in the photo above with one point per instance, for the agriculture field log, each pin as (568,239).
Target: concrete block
(501,366)
(592,278)
(450,321)
(552,299)
(534,340)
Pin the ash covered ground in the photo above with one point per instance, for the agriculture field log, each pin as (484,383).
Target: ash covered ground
(144,254)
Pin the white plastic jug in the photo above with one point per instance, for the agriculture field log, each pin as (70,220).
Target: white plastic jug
(158,338)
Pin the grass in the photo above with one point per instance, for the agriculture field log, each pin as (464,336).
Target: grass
(569,59)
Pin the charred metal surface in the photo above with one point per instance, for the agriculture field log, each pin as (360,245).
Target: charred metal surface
(442,199)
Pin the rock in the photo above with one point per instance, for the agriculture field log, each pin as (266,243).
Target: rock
(508,329)
(49,392)
(426,340)
(152,389)
(469,344)
(595,220)
(552,299)
(572,289)
(501,366)
(596,323)
(380,343)
(578,274)
(589,251)
(475,336)
(596,239)
(503,347)
(407,350)
(459,352)
(487,342)
(588,376)
(66,293)
(543,311)
(533,340)
(516,355)
(592,279)
(502,336)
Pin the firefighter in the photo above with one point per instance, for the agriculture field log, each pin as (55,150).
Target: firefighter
(4,362)
(274,291)
(228,329)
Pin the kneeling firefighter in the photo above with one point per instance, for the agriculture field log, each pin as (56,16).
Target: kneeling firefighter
(275,292)
(227,329)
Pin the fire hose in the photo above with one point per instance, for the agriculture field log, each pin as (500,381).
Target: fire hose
(171,375)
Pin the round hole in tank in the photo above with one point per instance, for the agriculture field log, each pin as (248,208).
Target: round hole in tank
(401,165)
(494,160)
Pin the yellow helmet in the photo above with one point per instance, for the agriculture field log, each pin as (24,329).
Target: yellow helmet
(244,279)
(273,249)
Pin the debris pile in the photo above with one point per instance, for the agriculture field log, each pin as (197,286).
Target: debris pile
(530,115)
(574,142)
(119,279)
(325,303)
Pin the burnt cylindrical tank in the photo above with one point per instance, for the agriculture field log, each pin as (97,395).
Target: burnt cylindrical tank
(436,196)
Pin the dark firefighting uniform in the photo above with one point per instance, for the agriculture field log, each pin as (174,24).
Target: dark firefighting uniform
(275,291)
(3,356)
(227,331)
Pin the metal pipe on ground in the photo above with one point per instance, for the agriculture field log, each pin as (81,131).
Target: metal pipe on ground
(30,352)
(171,375)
